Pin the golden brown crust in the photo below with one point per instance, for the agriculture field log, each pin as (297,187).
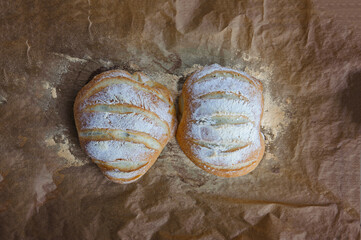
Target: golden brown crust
(131,136)
(187,105)
(106,167)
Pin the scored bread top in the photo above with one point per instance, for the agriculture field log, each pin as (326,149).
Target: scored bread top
(220,126)
(123,122)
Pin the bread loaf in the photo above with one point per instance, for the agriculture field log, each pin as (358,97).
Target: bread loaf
(220,126)
(123,122)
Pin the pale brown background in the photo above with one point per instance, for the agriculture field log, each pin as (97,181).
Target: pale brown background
(307,53)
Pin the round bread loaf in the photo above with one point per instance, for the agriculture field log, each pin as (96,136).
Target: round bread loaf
(220,126)
(124,121)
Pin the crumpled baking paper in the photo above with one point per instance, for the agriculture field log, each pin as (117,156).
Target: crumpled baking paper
(307,55)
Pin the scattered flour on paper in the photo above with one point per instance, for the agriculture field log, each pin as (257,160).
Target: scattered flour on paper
(271,156)
(106,63)
(63,151)
(274,117)
(70,58)
(43,184)
(52,92)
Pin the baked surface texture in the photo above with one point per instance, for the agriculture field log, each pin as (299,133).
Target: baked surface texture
(124,121)
(220,125)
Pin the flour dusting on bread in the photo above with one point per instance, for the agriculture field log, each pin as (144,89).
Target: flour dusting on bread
(125,94)
(220,126)
(124,121)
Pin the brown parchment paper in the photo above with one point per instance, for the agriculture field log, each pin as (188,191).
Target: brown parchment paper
(306,53)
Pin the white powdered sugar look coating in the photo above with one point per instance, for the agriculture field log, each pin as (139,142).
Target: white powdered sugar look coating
(218,158)
(123,122)
(126,94)
(129,121)
(228,84)
(225,134)
(112,150)
(207,107)
(225,126)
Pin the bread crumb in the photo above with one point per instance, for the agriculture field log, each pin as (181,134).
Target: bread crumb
(46,85)
(53,92)
(50,142)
